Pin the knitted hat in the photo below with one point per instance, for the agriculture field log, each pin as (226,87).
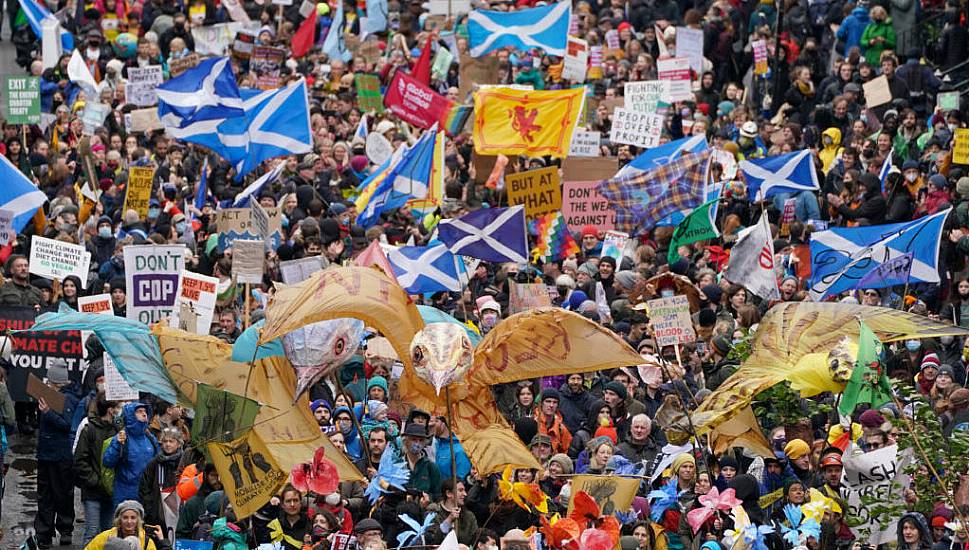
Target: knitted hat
(680,460)
(707,317)
(216,502)
(937,180)
(588,269)
(728,461)
(550,393)
(948,371)
(796,449)
(374,408)
(930,360)
(608,260)
(589,230)
(616,388)
(126,505)
(962,187)
(378,381)
(565,462)
(713,293)
(721,344)
(57,372)
(871,419)
(320,403)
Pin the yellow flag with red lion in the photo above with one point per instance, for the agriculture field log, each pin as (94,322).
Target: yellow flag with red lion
(526,122)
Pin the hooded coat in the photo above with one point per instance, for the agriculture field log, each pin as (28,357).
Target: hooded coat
(852,28)
(351,439)
(130,459)
(829,154)
(873,207)
(925,534)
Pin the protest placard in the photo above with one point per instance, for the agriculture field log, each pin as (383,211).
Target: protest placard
(195,296)
(248,259)
(142,84)
(760,56)
(297,271)
(151,280)
(99,304)
(143,120)
(635,128)
(39,390)
(583,205)
(258,220)
(93,116)
(442,63)
(526,296)
(576,60)
(538,190)
(115,386)
(948,101)
(214,39)
(677,71)
(267,64)
(879,475)
(594,71)
(614,243)
(179,65)
(237,223)
(449,7)
(21,96)
(57,259)
(689,44)
(7,232)
(34,351)
(585,143)
(648,96)
(138,192)
(670,320)
(368,93)
(877,91)
(476,70)
(960,150)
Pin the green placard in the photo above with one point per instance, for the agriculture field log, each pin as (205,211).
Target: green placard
(948,101)
(22,99)
(368,93)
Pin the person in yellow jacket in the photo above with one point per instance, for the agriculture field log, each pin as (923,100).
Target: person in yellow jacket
(129,522)
(831,148)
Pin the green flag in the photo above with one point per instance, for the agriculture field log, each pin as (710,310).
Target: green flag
(221,416)
(868,383)
(697,226)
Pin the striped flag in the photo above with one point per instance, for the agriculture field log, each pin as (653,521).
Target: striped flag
(886,168)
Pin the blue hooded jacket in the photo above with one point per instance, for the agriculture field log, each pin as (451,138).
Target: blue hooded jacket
(129,460)
(351,440)
(853,27)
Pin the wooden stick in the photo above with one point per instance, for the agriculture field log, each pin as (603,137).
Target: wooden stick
(246,313)
(450,429)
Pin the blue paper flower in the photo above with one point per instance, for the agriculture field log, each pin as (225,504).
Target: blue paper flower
(390,473)
(418,529)
(666,498)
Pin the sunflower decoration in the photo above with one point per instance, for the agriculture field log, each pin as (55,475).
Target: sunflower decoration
(585,527)
(525,495)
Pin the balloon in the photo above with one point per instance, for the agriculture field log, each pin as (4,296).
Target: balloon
(322,9)
(318,349)
(126,44)
(442,354)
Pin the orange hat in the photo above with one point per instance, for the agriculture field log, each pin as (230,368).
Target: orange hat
(831,459)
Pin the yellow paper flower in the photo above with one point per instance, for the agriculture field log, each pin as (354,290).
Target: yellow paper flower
(520,493)
(819,505)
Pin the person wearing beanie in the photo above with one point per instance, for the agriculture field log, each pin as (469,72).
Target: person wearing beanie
(323,412)
(799,454)
(119,296)
(550,421)
(928,371)
(614,392)
(129,522)
(574,401)
(683,468)
(607,276)
(729,468)
(377,389)
(589,242)
(717,367)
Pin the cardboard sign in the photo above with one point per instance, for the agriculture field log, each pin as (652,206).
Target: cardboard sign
(576,60)
(648,96)
(57,259)
(93,116)
(182,64)
(21,98)
(248,260)
(449,7)
(689,44)
(267,64)
(99,304)
(539,190)
(670,319)
(259,220)
(677,71)
(368,93)
(236,223)
(585,143)
(589,169)
(143,120)
(138,192)
(760,56)
(34,351)
(583,205)
(196,294)
(39,390)
(115,387)
(960,151)
(7,232)
(415,103)
(476,70)
(635,128)
(614,243)
(297,271)
(151,280)
(526,296)
(877,92)
(142,85)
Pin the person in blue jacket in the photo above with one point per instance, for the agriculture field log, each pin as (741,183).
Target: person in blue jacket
(343,420)
(130,451)
(853,27)
(55,461)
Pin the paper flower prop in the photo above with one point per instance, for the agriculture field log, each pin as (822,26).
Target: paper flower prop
(442,354)
(745,534)
(755,536)
(819,505)
(665,498)
(801,528)
(522,494)
(319,476)
(390,473)
(417,529)
(596,539)
(585,525)
(560,533)
(712,502)
(625,518)
(621,466)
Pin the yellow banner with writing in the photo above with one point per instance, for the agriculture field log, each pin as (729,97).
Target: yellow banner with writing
(540,191)
(138,192)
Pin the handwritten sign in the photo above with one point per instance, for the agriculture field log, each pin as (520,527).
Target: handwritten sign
(689,44)
(214,39)
(57,259)
(115,386)
(196,296)
(539,190)
(523,297)
(635,128)
(143,120)
(182,64)
(138,193)
(248,259)
(585,143)
(297,271)
(142,85)
(960,151)
(670,318)
(760,56)
(648,96)
(583,205)
(614,243)
(238,223)
(879,474)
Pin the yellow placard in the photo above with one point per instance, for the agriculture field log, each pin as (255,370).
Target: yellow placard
(539,190)
(960,153)
(138,192)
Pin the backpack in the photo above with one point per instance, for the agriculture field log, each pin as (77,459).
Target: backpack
(202,530)
(107,474)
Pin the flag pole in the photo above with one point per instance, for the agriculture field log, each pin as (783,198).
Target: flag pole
(450,444)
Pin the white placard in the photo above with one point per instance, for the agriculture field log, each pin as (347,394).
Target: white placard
(677,71)
(297,271)
(585,143)
(441,7)
(99,304)
(378,148)
(689,44)
(880,474)
(142,84)
(633,128)
(115,387)
(647,96)
(248,260)
(576,60)
(151,280)
(214,39)
(196,294)
(7,233)
(56,259)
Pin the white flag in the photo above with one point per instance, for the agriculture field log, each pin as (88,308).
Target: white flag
(752,261)
(80,74)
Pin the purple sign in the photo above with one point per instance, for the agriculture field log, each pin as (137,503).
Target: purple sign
(154,290)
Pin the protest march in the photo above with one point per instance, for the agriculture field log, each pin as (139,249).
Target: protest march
(484,274)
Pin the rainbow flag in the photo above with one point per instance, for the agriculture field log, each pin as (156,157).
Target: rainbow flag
(456,118)
(554,240)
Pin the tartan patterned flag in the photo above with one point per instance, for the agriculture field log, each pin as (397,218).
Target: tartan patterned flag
(554,240)
(641,201)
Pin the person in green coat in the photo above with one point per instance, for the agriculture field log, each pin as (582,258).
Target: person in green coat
(879,36)
(228,536)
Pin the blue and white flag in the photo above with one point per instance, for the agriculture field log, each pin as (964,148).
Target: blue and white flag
(276,123)
(841,257)
(545,28)
(361,128)
(658,156)
(489,234)
(333,45)
(203,190)
(205,92)
(18,194)
(376,19)
(787,173)
(254,188)
(421,269)
(408,179)
(886,168)
(36,12)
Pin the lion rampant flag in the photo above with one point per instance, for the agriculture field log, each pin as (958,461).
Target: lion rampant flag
(526,122)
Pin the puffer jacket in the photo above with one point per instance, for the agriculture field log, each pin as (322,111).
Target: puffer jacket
(129,460)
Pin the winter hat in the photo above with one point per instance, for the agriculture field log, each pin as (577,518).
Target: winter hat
(937,180)
(871,419)
(948,371)
(713,293)
(565,462)
(526,428)
(930,360)
(962,187)
(616,388)
(376,407)
(550,393)
(680,460)
(627,279)
(320,403)
(126,505)
(721,344)
(380,382)
(729,461)
(707,317)
(359,163)
(608,260)
(57,372)
(796,448)
(588,230)
(588,269)
(216,502)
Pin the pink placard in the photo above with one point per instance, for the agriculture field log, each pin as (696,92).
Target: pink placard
(583,205)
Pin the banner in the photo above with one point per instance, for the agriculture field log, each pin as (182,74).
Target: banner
(21,98)
(415,103)
(34,351)
(99,304)
(670,318)
(879,474)
(220,416)
(142,85)
(151,280)
(249,474)
(54,259)
(214,39)
(195,303)
(585,143)
(267,64)
(526,296)
(297,271)
(248,260)
(576,60)
(636,128)
(612,493)
(583,205)
(539,190)
(368,93)
(677,71)
(115,387)
(138,192)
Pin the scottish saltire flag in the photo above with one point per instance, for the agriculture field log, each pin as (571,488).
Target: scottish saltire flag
(276,123)
(408,178)
(658,156)
(205,92)
(787,173)
(841,257)
(333,45)
(254,188)
(361,128)
(421,269)
(489,234)
(893,272)
(545,28)
(886,168)
(18,194)
(35,12)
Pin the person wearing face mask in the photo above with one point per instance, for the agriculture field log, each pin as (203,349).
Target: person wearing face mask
(345,425)
(88,475)
(490,315)
(424,474)
(102,245)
